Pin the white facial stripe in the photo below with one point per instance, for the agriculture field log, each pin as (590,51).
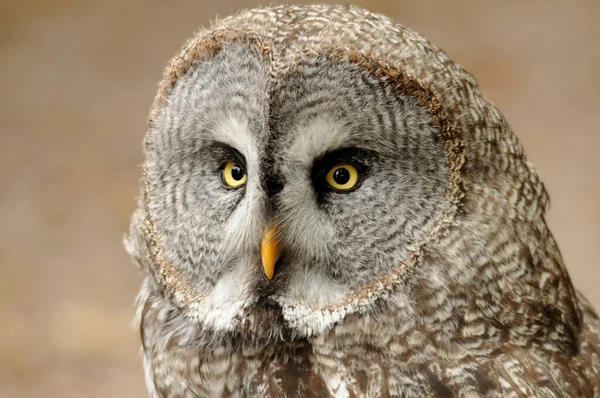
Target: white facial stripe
(244,226)
(230,296)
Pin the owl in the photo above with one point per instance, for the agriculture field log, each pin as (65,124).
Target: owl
(330,207)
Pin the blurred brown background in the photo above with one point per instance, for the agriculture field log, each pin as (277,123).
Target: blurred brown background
(77,78)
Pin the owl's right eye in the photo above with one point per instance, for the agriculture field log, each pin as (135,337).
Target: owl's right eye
(233,175)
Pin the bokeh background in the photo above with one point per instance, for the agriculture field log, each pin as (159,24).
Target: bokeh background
(76,80)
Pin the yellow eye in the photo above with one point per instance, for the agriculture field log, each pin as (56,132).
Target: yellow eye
(342,177)
(233,175)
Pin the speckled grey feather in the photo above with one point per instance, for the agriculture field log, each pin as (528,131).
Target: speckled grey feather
(436,277)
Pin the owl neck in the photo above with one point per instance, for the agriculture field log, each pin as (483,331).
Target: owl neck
(481,282)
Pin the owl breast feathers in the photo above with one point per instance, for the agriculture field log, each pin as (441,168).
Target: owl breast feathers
(330,207)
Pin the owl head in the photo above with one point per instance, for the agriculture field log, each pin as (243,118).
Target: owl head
(306,164)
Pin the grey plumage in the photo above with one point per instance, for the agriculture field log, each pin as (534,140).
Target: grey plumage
(436,276)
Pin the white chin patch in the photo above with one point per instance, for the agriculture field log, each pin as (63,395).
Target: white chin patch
(314,303)
(221,309)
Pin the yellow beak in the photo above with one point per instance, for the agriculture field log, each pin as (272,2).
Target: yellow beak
(269,251)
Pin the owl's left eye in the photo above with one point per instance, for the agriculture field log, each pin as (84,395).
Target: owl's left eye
(341,171)
(233,175)
(342,177)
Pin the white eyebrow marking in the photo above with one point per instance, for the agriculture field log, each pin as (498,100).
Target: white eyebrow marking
(317,137)
(233,131)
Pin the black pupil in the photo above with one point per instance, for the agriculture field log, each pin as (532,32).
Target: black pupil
(341,176)
(237,172)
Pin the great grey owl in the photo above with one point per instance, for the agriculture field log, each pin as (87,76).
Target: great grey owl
(330,207)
